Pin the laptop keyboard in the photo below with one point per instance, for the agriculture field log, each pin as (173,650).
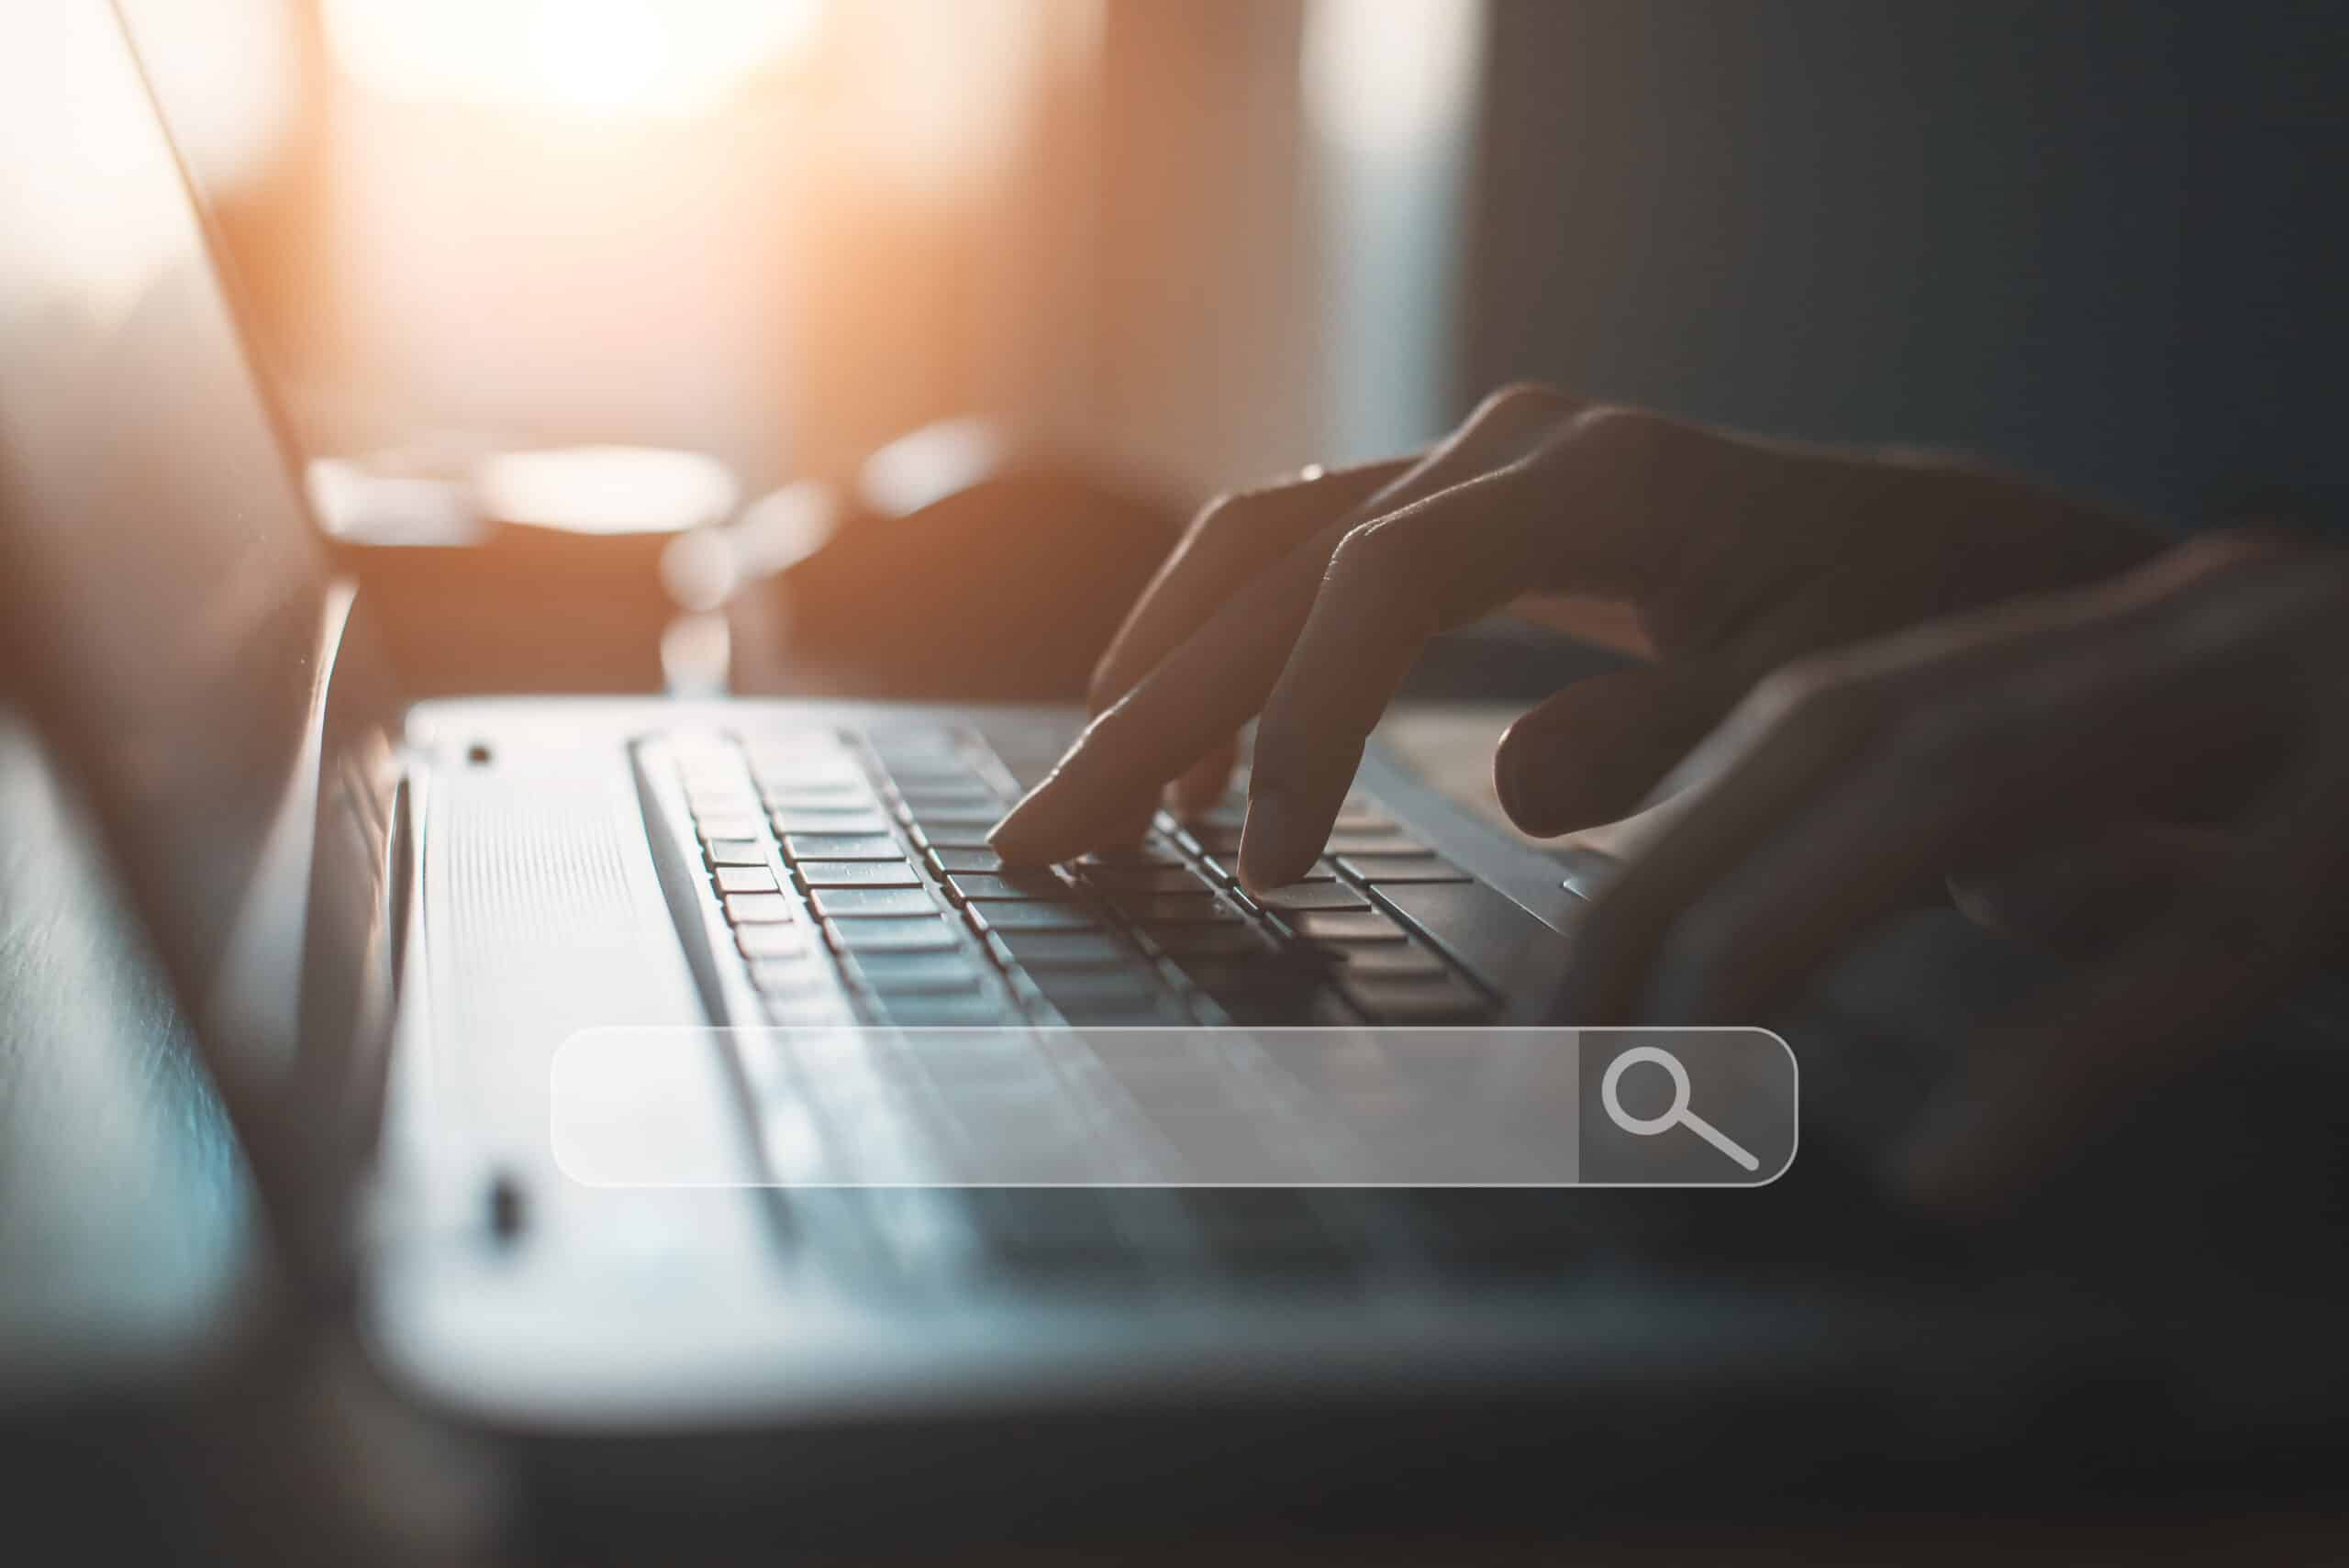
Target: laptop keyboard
(855,880)
(866,856)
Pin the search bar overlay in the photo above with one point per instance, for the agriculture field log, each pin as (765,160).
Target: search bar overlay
(871,1107)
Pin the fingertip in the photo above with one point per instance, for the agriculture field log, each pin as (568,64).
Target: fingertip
(1029,832)
(1275,842)
(1511,772)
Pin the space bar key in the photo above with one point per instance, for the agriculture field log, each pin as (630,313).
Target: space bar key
(1491,937)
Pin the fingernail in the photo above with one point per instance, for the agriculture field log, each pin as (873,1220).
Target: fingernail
(1269,855)
(1529,768)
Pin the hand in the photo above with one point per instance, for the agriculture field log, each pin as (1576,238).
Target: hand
(2046,749)
(1730,555)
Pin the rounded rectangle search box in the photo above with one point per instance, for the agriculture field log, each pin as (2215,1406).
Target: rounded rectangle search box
(876,1106)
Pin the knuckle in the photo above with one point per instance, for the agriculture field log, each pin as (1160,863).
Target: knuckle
(1518,406)
(1803,690)
(1368,563)
(1522,396)
(1102,689)
(1226,514)
(1620,433)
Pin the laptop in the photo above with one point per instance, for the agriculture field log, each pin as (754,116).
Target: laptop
(393,925)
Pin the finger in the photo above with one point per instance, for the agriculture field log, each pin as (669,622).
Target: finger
(1607,499)
(1229,541)
(1840,785)
(1196,696)
(1365,629)
(1593,751)
(1236,538)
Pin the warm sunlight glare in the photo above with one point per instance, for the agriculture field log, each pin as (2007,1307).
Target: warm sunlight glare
(1390,77)
(588,57)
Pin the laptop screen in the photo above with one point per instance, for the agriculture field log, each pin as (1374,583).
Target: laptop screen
(165,608)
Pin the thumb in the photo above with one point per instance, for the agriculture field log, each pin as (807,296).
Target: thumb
(1592,752)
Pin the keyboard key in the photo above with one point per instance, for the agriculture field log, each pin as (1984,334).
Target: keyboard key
(992,916)
(1111,1012)
(1312,895)
(943,837)
(1415,1000)
(858,874)
(838,773)
(1139,878)
(1010,884)
(760,909)
(1301,1007)
(771,942)
(726,826)
(802,976)
(1234,940)
(745,879)
(1226,868)
(1318,1008)
(789,1012)
(923,933)
(1213,841)
(947,861)
(788,823)
(1222,976)
(1168,908)
(934,767)
(900,972)
(826,796)
(1077,989)
(958,819)
(1062,949)
(1392,841)
(865,903)
(1401,959)
(1375,869)
(1487,934)
(1345,926)
(967,795)
(835,846)
(811,752)
(916,1010)
(737,852)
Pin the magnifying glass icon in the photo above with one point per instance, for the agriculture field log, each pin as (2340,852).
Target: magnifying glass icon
(1676,1114)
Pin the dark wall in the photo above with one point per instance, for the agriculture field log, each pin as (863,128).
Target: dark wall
(2100,239)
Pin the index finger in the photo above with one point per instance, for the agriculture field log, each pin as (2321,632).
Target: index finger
(1214,680)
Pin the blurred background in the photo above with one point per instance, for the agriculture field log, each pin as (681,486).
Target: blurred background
(1206,240)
